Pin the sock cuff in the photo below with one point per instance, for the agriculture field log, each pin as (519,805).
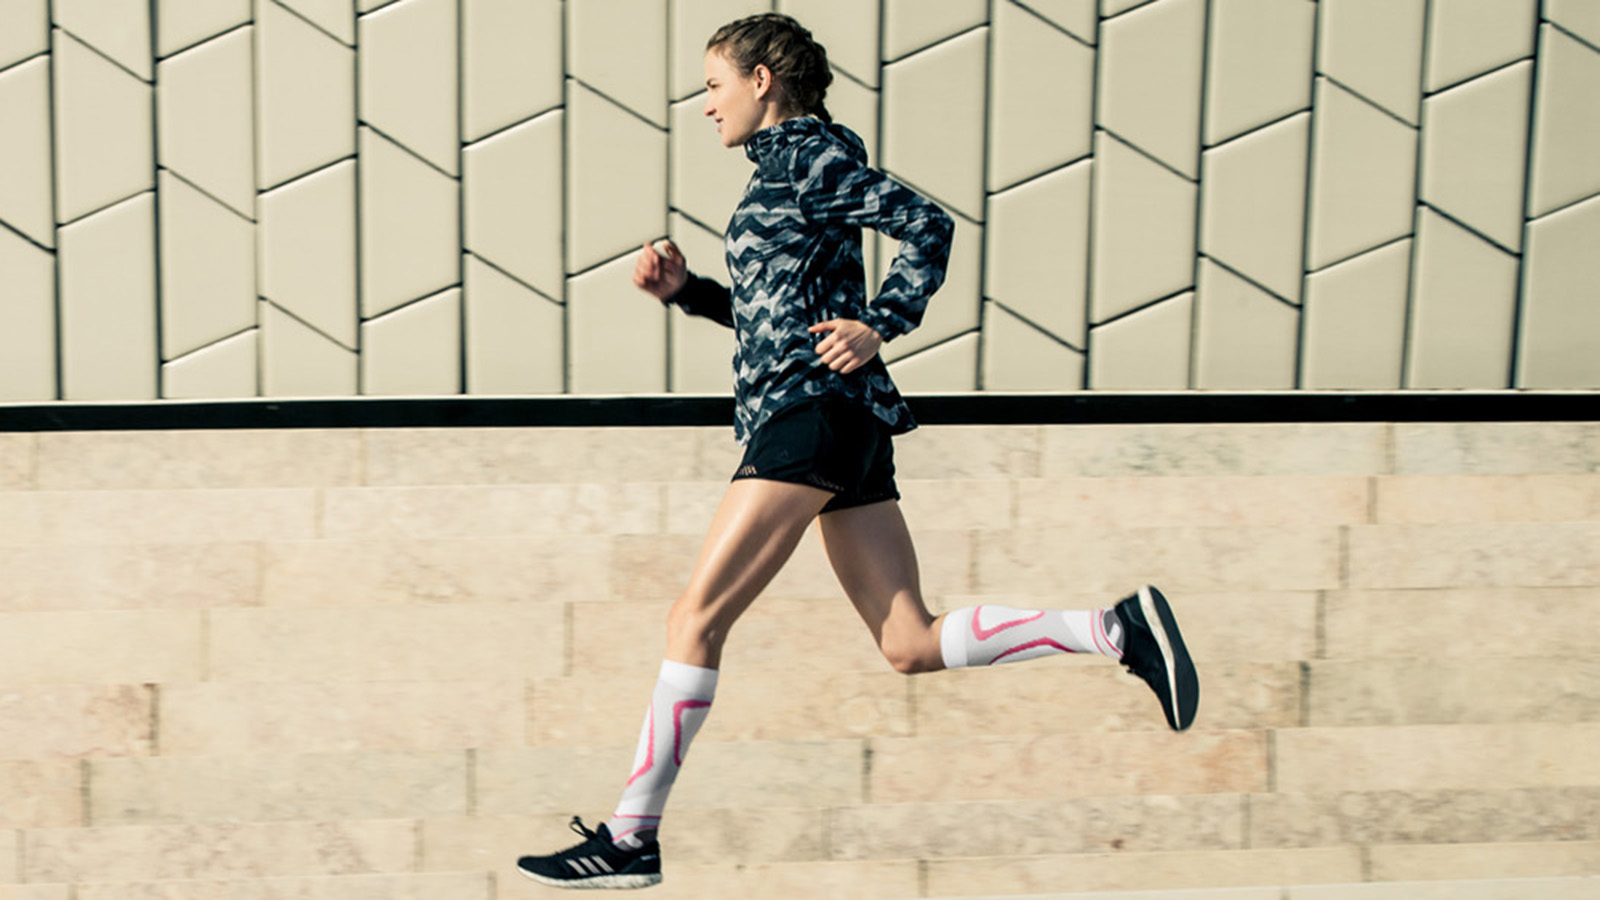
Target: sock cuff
(953,637)
(695,681)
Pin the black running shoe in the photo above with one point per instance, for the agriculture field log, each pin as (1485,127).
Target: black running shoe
(1153,650)
(595,863)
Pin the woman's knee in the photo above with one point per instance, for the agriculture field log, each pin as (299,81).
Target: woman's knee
(911,654)
(692,623)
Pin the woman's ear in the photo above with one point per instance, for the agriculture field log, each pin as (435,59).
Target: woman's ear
(762,76)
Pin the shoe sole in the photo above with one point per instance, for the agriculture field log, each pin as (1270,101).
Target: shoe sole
(1183,685)
(597,882)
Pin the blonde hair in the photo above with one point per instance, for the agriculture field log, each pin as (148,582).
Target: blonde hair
(784,46)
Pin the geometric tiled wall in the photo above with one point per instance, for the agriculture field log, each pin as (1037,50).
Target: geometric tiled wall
(233,198)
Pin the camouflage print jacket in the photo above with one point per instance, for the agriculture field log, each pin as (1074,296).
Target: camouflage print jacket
(794,253)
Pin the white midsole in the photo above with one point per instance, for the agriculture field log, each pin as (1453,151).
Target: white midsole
(597,882)
(1152,616)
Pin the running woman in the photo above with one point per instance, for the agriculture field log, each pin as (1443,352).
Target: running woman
(816,411)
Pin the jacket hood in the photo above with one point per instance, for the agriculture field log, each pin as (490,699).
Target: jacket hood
(800,128)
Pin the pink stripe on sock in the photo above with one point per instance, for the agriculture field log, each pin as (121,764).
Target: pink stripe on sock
(1039,642)
(678,709)
(649,747)
(983,634)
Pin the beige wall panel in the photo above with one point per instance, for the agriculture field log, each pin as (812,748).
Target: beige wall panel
(208,269)
(197,459)
(1363,177)
(181,24)
(616,179)
(205,109)
(1431,757)
(1115,7)
(415,350)
(513,335)
(513,204)
(1153,876)
(1077,16)
(308,250)
(1017,356)
(1498,889)
(1355,321)
(701,350)
(336,17)
(1150,73)
(228,368)
(912,25)
(117,29)
(1144,351)
(1559,340)
(108,304)
(103,131)
(305,97)
(1258,65)
(27,322)
(1566,123)
(1470,37)
(366,6)
(510,62)
(950,367)
(933,121)
(856,108)
(692,25)
(1041,98)
(410,226)
(1253,203)
(848,29)
(1038,250)
(1462,309)
(1144,221)
(954,308)
(1475,151)
(707,179)
(1374,48)
(1245,339)
(101,647)
(297,361)
(25,165)
(616,335)
(462,885)
(407,70)
(1440,448)
(493,511)
(52,721)
(1518,859)
(617,48)
(1576,16)
(27,29)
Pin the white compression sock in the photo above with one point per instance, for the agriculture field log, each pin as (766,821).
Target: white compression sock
(677,709)
(985,635)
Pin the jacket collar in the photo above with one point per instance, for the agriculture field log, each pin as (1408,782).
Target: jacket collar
(772,137)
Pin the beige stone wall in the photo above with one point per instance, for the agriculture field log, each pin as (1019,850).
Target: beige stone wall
(382,664)
(233,198)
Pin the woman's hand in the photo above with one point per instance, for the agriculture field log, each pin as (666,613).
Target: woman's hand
(660,275)
(848,346)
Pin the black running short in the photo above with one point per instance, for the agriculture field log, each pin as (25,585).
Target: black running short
(826,442)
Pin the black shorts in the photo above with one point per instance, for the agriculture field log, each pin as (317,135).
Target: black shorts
(831,443)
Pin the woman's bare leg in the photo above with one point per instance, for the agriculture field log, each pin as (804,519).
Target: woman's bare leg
(871,552)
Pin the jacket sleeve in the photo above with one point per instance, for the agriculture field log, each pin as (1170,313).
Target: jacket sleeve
(705,298)
(835,187)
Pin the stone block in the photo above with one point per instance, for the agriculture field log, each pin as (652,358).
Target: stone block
(1266,449)
(127,577)
(220,850)
(1243,501)
(1066,766)
(156,516)
(443,456)
(547,569)
(455,885)
(1579,888)
(321,787)
(1482,690)
(1486,498)
(1029,827)
(1085,558)
(17,461)
(218,719)
(34,891)
(76,720)
(1512,859)
(1448,622)
(39,793)
(1143,871)
(1436,757)
(1485,448)
(490,511)
(1475,554)
(840,881)
(173,460)
(474,642)
(1471,816)
(969,452)
(1041,698)
(133,647)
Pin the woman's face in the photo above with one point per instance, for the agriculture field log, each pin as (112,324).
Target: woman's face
(740,105)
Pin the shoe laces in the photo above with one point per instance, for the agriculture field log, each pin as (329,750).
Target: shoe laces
(582,830)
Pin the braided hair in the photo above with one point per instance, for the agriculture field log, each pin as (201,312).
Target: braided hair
(784,46)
